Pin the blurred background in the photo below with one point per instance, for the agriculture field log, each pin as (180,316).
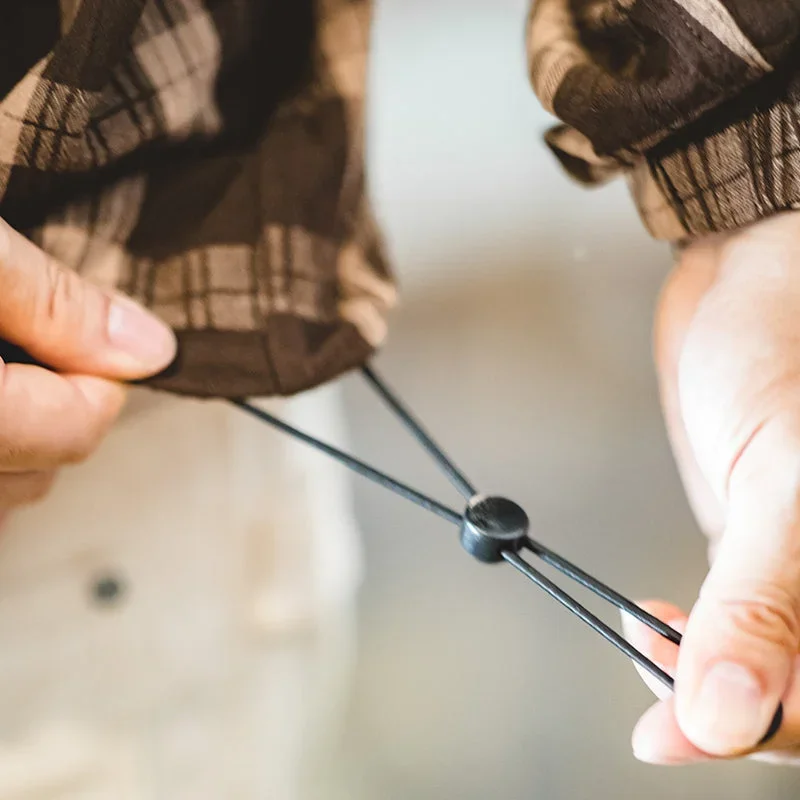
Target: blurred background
(523,342)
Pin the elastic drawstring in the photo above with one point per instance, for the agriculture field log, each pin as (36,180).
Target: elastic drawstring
(496,538)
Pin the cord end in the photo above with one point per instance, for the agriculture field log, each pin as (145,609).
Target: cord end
(774,727)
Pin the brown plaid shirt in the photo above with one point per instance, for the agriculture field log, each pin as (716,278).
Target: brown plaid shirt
(206,156)
(696,101)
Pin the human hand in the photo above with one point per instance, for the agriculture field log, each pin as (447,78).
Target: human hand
(91,339)
(728,355)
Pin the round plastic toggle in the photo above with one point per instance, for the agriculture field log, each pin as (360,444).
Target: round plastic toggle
(492,525)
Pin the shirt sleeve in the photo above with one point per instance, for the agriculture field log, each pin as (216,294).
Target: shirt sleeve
(695,101)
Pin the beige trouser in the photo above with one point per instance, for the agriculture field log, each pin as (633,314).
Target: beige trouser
(175,617)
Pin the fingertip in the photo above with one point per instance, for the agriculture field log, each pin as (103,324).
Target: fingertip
(143,345)
(48,420)
(104,396)
(784,732)
(658,740)
(72,325)
(105,400)
(735,669)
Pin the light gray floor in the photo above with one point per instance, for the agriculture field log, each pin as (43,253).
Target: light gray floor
(524,343)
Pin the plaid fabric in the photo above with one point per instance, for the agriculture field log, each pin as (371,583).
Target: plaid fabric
(696,101)
(206,158)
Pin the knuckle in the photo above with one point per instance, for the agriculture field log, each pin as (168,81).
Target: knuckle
(102,413)
(68,310)
(12,452)
(61,291)
(89,436)
(767,616)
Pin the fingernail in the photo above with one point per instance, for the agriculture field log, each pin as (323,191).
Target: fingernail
(140,335)
(654,743)
(731,711)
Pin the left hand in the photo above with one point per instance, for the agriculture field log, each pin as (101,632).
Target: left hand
(728,355)
(92,342)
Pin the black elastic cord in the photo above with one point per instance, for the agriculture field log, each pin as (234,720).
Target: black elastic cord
(601,590)
(453,473)
(545,554)
(583,613)
(616,599)
(354,464)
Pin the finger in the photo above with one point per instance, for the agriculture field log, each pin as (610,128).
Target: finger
(23,488)
(738,654)
(788,735)
(658,649)
(657,739)
(70,324)
(47,420)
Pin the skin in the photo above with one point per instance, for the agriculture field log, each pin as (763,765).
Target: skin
(728,357)
(727,350)
(93,341)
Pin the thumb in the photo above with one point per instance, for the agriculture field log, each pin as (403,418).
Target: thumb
(70,324)
(742,637)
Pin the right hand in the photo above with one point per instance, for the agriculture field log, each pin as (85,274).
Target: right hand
(728,353)
(92,339)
